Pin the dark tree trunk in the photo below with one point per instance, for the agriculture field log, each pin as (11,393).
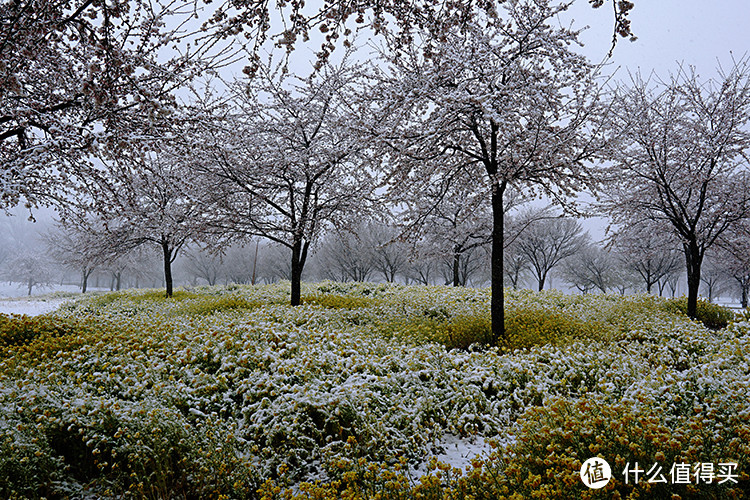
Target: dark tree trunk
(694,260)
(497,305)
(85,279)
(541,278)
(299,256)
(31,286)
(167,251)
(118,280)
(456,266)
(743,300)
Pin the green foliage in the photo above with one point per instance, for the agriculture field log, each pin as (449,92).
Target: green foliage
(711,315)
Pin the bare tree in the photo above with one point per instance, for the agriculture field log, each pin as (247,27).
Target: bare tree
(545,243)
(82,247)
(678,156)
(204,265)
(735,258)
(714,277)
(647,252)
(346,256)
(389,254)
(592,268)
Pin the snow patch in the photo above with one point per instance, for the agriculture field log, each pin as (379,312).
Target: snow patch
(458,452)
(31,307)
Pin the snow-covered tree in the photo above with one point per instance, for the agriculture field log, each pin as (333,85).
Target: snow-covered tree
(77,76)
(282,161)
(679,158)
(504,102)
(146,199)
(332,19)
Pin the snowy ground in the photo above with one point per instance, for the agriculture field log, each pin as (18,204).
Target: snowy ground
(14,298)
(31,306)
(458,453)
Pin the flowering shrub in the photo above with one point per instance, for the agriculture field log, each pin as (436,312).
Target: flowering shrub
(227,392)
(711,315)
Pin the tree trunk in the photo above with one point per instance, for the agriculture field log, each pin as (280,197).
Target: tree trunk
(541,278)
(456,266)
(743,300)
(693,259)
(84,280)
(118,280)
(31,286)
(299,255)
(167,251)
(497,305)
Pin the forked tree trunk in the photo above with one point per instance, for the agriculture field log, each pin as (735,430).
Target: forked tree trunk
(456,266)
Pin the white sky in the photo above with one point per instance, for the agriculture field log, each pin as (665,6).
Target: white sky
(694,32)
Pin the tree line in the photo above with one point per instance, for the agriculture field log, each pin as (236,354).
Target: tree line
(444,134)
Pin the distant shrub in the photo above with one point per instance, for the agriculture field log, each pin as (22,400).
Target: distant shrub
(711,315)
(337,301)
(211,304)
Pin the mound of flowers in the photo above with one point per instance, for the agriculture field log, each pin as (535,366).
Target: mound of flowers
(227,392)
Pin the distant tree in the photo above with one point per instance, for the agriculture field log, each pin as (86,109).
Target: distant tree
(346,256)
(390,256)
(645,251)
(547,242)
(451,221)
(147,199)
(31,268)
(505,102)
(82,247)
(516,266)
(422,266)
(678,158)
(592,268)
(282,161)
(714,277)
(204,265)
(734,258)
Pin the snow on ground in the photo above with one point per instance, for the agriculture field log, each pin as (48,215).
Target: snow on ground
(458,453)
(31,306)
